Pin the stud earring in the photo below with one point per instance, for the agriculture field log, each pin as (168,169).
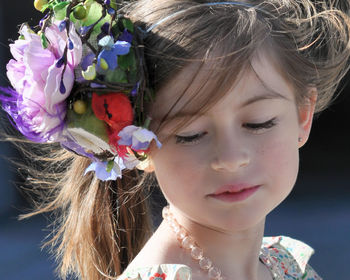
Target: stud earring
(300,139)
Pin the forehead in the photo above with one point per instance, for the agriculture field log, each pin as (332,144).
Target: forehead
(190,90)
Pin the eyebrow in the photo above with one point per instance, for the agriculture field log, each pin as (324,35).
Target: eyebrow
(180,116)
(271,94)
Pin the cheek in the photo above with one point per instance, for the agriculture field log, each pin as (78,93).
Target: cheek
(280,163)
(177,169)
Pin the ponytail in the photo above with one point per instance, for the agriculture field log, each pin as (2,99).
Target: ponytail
(99,226)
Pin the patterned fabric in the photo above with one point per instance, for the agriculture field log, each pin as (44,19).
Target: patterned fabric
(290,255)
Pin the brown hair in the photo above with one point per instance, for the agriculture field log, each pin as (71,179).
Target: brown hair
(101,226)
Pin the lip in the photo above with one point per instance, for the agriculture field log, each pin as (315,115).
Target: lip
(233,193)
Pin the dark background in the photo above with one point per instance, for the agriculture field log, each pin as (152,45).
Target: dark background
(317,211)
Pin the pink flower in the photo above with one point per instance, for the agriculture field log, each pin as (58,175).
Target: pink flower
(41,84)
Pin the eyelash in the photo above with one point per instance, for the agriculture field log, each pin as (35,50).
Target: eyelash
(192,139)
(255,127)
(259,126)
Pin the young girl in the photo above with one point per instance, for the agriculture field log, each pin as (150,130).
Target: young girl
(213,99)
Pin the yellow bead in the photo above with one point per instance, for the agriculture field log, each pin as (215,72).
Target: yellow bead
(103,64)
(39,4)
(79,107)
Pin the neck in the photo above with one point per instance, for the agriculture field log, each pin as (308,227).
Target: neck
(235,253)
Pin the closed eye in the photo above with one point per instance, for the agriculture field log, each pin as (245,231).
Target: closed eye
(261,126)
(255,127)
(191,139)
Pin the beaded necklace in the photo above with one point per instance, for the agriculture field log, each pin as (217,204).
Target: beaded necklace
(189,244)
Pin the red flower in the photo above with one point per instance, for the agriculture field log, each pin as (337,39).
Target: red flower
(158,276)
(113,108)
(113,142)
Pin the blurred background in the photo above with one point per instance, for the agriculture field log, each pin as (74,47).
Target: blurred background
(317,211)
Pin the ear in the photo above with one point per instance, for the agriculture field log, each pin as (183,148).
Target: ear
(306,113)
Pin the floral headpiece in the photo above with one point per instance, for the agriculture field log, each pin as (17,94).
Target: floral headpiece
(79,79)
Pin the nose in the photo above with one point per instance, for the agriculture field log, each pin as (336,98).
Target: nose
(230,157)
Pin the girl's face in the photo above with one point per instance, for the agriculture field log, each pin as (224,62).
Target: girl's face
(247,141)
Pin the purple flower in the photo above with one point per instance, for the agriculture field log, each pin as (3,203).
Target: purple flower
(110,52)
(87,61)
(100,168)
(125,36)
(62,25)
(73,146)
(105,28)
(135,89)
(37,105)
(104,31)
(137,138)
(84,30)
(111,11)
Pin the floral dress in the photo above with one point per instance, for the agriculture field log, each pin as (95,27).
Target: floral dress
(290,256)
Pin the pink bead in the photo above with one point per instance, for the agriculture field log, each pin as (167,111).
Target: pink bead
(214,273)
(196,253)
(205,263)
(176,229)
(174,226)
(181,234)
(169,218)
(187,243)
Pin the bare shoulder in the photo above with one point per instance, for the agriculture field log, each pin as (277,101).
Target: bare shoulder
(161,248)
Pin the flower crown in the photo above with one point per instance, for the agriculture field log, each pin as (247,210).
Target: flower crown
(79,79)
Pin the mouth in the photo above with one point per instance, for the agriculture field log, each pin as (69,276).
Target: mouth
(234,193)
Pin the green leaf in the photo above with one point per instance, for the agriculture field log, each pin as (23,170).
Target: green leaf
(128,24)
(88,3)
(94,12)
(114,4)
(60,10)
(133,63)
(97,28)
(115,30)
(124,62)
(59,6)
(89,122)
(147,122)
(133,77)
(116,76)
(110,166)
(128,61)
(44,41)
